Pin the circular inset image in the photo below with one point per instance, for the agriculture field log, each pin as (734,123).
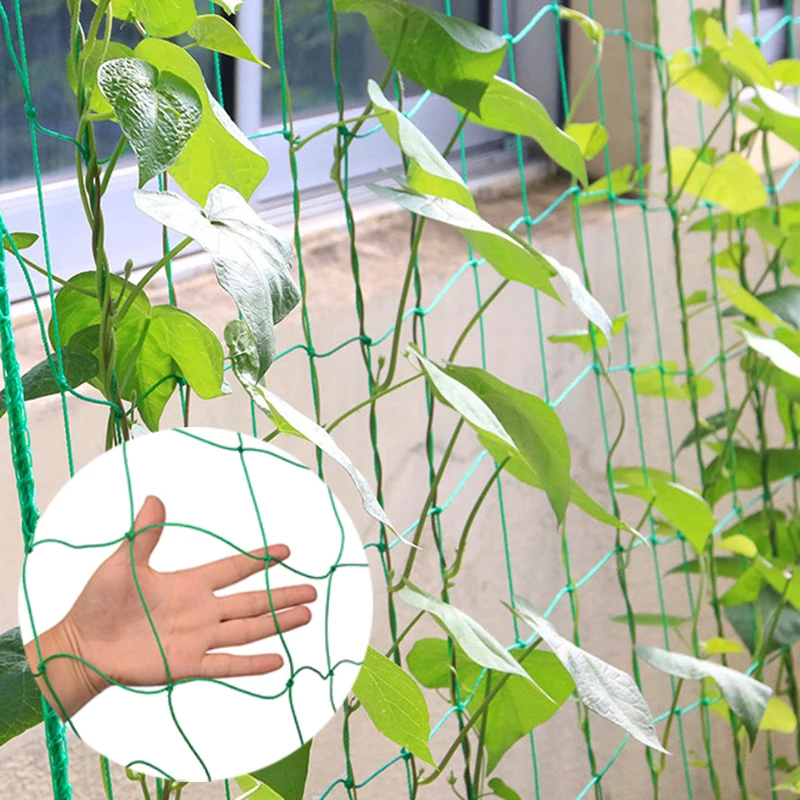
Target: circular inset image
(196,604)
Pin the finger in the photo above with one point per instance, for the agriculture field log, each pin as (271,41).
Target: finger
(152,513)
(225,665)
(254,604)
(233,569)
(253,629)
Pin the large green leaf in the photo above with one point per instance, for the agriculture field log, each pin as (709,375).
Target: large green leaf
(517,466)
(604,689)
(430,172)
(20,699)
(708,426)
(448,55)
(773,112)
(218,152)
(394,703)
(743,467)
(748,303)
(165,18)
(215,33)
(244,359)
(740,55)
(287,777)
(705,78)
(752,620)
(649,380)
(252,258)
(775,351)
(684,509)
(591,137)
(504,251)
(255,790)
(784,302)
(157,111)
(92,56)
(516,709)
(731,183)
(471,636)
(583,339)
(746,696)
(533,426)
(79,366)
(507,107)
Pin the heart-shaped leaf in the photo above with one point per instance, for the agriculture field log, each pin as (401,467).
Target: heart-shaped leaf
(287,777)
(604,689)
(252,259)
(20,699)
(157,111)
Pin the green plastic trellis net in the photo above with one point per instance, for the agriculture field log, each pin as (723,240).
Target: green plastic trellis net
(697,759)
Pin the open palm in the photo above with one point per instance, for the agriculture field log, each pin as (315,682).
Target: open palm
(109,627)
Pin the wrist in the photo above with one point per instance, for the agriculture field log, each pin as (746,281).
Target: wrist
(69,684)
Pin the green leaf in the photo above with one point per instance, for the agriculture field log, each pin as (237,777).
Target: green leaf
(786,71)
(648,381)
(746,696)
(287,777)
(244,358)
(684,509)
(731,183)
(533,426)
(504,251)
(620,182)
(657,620)
(157,111)
(593,29)
(725,566)
(516,709)
(731,258)
(758,527)
(255,790)
(740,55)
(791,783)
(785,582)
(706,79)
(783,302)
(519,468)
(394,703)
(708,426)
(745,590)
(697,297)
(717,645)
(502,790)
(591,137)
(472,637)
(637,476)
(738,545)
(773,112)
(778,716)
(218,152)
(252,259)
(752,620)
(745,467)
(430,172)
(22,241)
(79,367)
(92,56)
(230,6)
(164,19)
(583,339)
(215,33)
(448,55)
(747,303)
(20,699)
(602,688)
(507,107)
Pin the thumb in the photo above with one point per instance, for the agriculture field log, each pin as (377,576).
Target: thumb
(152,513)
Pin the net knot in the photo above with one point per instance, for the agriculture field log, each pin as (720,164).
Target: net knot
(287,135)
(348,783)
(290,682)
(344,131)
(30,111)
(508,37)
(570,588)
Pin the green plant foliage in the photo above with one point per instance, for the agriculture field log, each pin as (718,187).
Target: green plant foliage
(506,107)
(591,137)
(287,777)
(502,790)
(747,303)
(215,33)
(504,251)
(684,509)
(778,716)
(739,55)
(705,78)
(420,42)
(743,466)
(430,172)
(655,620)
(20,699)
(732,183)
(709,426)
(522,422)
(583,339)
(746,696)
(218,152)
(157,111)
(255,789)
(658,380)
(623,181)
(22,241)
(245,360)
(80,366)
(717,645)
(394,703)
(516,709)
(92,57)
(591,27)
(252,259)
(164,19)
(604,689)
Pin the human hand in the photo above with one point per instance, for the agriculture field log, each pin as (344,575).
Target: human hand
(109,628)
